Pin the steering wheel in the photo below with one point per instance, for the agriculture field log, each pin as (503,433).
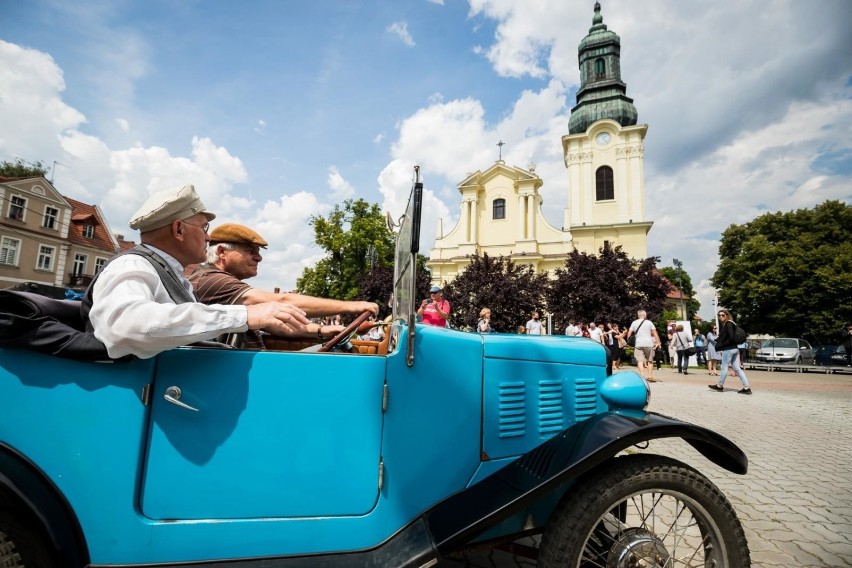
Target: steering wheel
(346,332)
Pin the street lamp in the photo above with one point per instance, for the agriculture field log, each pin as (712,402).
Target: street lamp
(679,265)
(371,257)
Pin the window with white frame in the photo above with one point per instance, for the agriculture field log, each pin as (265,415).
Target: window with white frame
(51,215)
(17,206)
(9,248)
(45,257)
(79,266)
(89,231)
(99,264)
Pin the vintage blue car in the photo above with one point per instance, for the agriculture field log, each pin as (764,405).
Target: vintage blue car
(392,453)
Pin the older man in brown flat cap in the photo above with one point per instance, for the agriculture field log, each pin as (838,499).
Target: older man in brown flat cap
(141,304)
(233,256)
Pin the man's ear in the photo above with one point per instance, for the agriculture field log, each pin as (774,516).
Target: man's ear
(178,229)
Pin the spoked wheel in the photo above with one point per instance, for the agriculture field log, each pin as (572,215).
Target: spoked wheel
(644,511)
(19,546)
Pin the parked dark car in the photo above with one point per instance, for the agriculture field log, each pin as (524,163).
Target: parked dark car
(839,356)
(824,354)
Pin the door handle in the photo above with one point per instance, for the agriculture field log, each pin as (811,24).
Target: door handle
(173,395)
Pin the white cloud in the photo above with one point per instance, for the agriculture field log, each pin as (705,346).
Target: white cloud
(260,127)
(123,123)
(377,139)
(32,111)
(400,30)
(340,188)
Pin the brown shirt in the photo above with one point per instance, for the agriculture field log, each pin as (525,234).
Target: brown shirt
(214,286)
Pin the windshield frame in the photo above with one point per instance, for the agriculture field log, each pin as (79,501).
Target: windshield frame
(405,263)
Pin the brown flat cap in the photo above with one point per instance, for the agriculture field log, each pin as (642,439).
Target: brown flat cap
(234,233)
(163,207)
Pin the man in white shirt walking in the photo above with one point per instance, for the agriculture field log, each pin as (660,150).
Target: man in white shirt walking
(646,341)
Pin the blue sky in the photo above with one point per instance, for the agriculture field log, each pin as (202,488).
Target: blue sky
(279,110)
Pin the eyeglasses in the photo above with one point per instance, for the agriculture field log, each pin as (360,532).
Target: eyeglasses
(252,250)
(722,316)
(205,227)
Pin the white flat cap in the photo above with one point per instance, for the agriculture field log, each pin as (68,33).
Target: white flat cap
(163,207)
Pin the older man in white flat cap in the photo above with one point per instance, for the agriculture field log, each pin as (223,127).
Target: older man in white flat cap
(141,304)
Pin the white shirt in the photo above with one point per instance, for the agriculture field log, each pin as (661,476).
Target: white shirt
(534,327)
(572,330)
(132,313)
(596,334)
(644,337)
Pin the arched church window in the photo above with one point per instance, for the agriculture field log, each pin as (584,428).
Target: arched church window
(604,186)
(499,209)
(600,67)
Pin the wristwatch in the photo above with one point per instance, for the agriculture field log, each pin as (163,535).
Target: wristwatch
(319,331)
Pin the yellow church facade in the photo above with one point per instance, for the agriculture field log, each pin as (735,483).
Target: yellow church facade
(500,211)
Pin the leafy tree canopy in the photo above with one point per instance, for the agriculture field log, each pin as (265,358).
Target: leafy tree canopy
(511,291)
(790,274)
(608,287)
(377,285)
(22,169)
(347,235)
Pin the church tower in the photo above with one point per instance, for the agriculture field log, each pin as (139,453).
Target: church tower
(604,152)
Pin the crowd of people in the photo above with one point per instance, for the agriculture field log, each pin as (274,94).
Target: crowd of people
(713,352)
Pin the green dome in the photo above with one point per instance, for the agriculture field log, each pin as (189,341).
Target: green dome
(602,93)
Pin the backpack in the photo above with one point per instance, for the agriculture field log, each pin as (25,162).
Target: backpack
(740,335)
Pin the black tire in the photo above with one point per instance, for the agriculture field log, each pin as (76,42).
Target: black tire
(643,510)
(20,546)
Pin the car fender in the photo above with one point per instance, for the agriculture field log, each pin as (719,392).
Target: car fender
(560,460)
(30,494)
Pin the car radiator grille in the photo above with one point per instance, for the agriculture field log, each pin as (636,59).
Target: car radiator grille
(550,413)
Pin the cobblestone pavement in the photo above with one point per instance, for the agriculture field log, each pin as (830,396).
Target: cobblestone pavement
(796,500)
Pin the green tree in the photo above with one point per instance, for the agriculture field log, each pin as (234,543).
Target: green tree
(346,235)
(511,291)
(376,285)
(22,169)
(605,287)
(790,273)
(692,304)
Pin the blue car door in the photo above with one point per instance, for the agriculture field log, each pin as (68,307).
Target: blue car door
(273,434)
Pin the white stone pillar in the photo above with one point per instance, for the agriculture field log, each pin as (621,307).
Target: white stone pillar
(474,223)
(521,217)
(530,216)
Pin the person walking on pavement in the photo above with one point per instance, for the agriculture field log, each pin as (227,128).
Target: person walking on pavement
(682,341)
(714,357)
(646,340)
(727,344)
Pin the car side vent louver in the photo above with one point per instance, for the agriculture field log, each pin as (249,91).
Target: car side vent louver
(585,398)
(550,413)
(512,401)
(538,461)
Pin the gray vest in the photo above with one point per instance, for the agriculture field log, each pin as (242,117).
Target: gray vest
(173,285)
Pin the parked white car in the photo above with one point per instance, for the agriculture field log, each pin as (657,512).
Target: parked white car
(786,350)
